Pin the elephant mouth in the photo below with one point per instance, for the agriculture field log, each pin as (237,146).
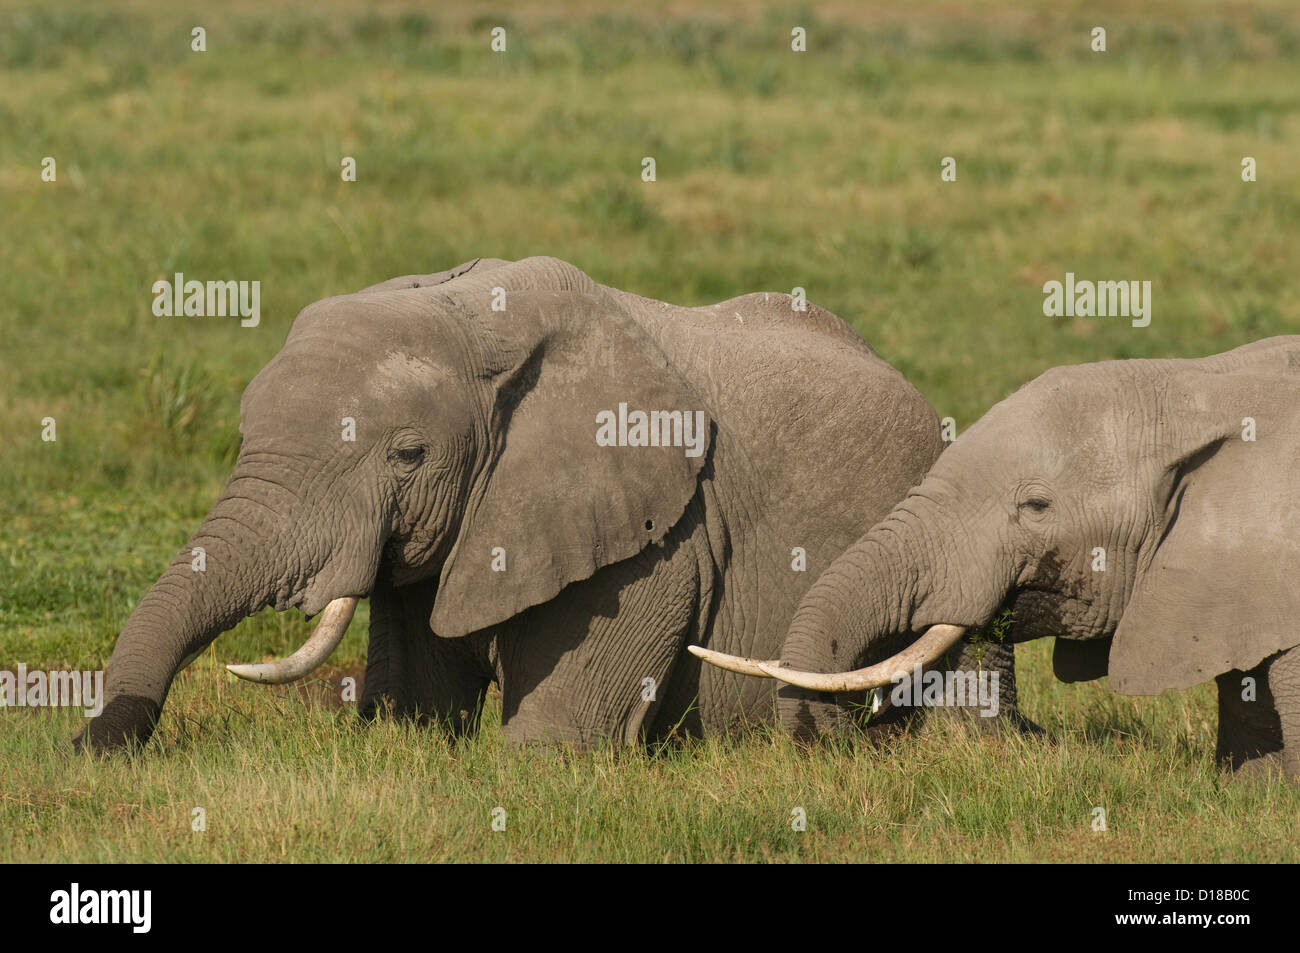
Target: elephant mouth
(413,558)
(925,651)
(1041,612)
(335,617)
(333,624)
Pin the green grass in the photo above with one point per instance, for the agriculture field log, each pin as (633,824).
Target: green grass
(774,170)
(283,775)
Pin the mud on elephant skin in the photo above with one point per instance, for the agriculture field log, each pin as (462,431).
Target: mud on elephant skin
(1144,512)
(499,508)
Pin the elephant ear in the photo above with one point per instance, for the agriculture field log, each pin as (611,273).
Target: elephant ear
(1222,589)
(554,505)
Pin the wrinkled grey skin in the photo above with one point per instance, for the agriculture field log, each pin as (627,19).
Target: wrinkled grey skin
(475,429)
(1144,459)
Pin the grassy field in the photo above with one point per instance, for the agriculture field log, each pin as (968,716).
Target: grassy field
(774,170)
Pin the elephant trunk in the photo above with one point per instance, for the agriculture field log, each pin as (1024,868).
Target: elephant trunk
(868,604)
(899,579)
(860,596)
(225,573)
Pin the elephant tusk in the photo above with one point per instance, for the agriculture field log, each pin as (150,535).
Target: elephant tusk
(732,663)
(937,640)
(324,640)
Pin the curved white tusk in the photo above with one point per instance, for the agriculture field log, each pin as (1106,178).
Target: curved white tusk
(732,663)
(937,640)
(329,633)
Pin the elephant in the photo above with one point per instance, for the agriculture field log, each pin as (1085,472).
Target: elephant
(540,482)
(1146,513)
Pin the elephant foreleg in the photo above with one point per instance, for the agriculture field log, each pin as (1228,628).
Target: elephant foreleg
(596,662)
(413,673)
(989,658)
(1284,684)
(1250,731)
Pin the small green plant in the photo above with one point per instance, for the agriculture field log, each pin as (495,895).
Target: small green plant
(174,396)
(185,409)
(996,631)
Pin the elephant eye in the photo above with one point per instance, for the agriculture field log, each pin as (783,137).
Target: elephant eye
(409,456)
(1036,504)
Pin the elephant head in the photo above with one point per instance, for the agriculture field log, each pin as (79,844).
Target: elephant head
(402,434)
(1151,503)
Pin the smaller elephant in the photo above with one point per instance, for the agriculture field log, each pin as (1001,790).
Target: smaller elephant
(1144,512)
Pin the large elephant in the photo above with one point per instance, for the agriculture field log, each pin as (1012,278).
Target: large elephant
(1144,512)
(542,482)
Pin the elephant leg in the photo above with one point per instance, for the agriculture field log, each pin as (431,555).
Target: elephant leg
(595,662)
(1250,731)
(413,673)
(1284,685)
(994,658)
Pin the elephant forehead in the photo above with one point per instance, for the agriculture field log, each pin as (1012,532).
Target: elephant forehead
(297,410)
(1021,436)
(301,393)
(400,373)
(1063,416)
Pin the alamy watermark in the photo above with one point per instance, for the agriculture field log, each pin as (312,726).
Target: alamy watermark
(954,689)
(653,428)
(1098,299)
(211,299)
(24,689)
(76,906)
